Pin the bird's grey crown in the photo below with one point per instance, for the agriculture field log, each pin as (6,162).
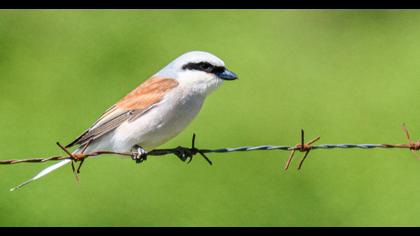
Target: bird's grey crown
(173,68)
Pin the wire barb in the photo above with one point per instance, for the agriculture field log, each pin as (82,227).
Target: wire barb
(413,146)
(74,159)
(190,152)
(302,147)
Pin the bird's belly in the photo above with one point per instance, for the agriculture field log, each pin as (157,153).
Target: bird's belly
(157,126)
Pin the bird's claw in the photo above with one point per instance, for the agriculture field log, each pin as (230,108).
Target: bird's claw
(140,155)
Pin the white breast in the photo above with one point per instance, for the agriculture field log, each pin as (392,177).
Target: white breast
(163,122)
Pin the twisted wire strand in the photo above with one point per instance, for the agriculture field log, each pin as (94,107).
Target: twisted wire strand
(162,152)
(186,154)
(289,148)
(303,147)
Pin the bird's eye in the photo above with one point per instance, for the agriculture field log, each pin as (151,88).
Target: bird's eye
(205,66)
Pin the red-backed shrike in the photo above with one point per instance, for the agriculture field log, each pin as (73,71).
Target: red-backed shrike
(154,112)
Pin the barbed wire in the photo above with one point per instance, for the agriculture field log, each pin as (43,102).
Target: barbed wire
(186,154)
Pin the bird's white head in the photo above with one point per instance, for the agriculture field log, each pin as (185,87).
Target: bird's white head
(200,71)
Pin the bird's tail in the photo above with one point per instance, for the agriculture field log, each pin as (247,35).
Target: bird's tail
(43,172)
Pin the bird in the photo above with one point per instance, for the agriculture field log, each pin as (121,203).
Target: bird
(154,112)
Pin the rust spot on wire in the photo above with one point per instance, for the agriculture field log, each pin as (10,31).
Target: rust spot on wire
(302,147)
(411,145)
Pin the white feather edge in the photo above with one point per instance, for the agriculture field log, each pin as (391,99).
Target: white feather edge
(43,173)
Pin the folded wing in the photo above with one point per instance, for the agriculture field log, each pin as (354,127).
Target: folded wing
(131,107)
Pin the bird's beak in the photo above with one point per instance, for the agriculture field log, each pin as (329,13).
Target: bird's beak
(227,75)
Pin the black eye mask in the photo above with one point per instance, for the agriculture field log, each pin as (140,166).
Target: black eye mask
(204,66)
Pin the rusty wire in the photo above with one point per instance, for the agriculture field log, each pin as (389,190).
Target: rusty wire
(302,147)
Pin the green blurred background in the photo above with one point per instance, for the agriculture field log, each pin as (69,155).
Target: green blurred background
(350,76)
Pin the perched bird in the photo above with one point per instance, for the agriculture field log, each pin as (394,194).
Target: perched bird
(154,112)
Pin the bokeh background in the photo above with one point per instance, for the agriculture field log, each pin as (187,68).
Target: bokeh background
(350,76)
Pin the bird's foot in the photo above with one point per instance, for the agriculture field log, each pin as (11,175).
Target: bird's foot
(139,155)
